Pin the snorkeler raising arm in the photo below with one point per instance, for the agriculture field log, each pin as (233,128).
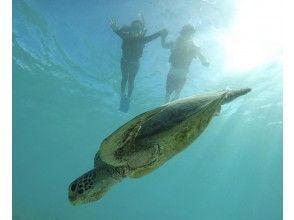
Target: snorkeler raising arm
(122,32)
(141,17)
(113,24)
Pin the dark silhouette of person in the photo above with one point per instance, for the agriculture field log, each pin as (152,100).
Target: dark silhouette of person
(133,42)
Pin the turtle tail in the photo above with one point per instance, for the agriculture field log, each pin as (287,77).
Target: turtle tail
(92,185)
(231,95)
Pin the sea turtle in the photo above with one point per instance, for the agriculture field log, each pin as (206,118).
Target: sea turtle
(147,141)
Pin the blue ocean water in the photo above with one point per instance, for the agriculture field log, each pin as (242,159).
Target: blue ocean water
(66,90)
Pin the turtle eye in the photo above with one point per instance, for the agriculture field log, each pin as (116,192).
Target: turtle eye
(73,187)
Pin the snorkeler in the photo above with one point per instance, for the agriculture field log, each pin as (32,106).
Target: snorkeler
(133,42)
(183,50)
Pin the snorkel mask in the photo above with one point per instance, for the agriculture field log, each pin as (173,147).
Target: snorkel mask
(137,28)
(188,31)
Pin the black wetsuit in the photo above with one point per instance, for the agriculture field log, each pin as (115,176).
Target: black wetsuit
(132,50)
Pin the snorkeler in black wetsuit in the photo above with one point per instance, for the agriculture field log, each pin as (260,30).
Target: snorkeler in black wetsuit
(133,42)
(183,51)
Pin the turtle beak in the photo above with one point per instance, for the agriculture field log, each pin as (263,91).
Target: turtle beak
(72,195)
(72,199)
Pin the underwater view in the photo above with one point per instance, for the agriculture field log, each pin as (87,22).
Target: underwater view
(82,69)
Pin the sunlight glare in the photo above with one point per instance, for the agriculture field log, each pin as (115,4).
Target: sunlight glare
(255,38)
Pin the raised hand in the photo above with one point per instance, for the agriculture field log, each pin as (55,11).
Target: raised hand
(113,24)
(141,17)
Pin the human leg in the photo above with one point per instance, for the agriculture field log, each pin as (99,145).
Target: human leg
(169,87)
(124,72)
(179,85)
(133,70)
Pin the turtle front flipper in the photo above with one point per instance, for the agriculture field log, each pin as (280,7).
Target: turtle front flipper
(144,162)
(121,143)
(143,157)
(126,147)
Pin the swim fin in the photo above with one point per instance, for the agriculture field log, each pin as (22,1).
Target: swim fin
(124,104)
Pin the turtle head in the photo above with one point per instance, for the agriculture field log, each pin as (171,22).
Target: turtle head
(91,186)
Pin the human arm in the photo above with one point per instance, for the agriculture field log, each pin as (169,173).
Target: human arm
(113,24)
(152,37)
(141,18)
(202,59)
(116,29)
(165,44)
